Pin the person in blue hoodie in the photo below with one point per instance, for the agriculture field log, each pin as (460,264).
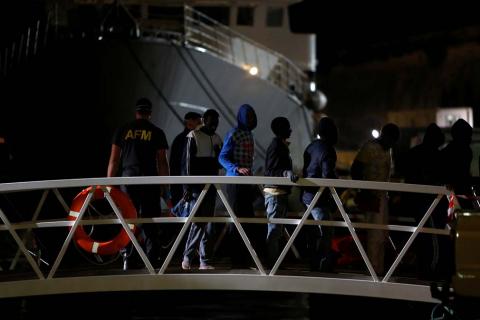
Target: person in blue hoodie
(319,161)
(278,163)
(236,157)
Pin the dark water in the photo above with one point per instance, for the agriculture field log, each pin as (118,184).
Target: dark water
(209,305)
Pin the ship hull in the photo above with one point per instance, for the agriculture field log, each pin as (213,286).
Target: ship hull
(69,99)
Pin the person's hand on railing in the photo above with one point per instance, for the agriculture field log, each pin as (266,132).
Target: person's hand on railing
(290,175)
(244,171)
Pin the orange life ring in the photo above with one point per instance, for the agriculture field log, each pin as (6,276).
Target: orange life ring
(109,247)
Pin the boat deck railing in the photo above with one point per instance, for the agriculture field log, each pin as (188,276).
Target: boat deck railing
(193,28)
(206,34)
(25,272)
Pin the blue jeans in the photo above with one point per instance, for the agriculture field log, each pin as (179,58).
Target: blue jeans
(276,207)
(201,234)
(320,239)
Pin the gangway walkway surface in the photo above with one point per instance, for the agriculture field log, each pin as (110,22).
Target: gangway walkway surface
(41,279)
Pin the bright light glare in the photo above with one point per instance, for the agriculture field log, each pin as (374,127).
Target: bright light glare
(253,71)
(375,133)
(313,86)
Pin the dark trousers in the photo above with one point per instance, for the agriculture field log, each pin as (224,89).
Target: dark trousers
(240,197)
(146,200)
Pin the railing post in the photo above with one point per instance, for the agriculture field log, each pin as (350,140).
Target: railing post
(12,55)
(56,20)
(244,52)
(5,65)
(45,38)
(186,29)
(35,44)
(257,61)
(20,48)
(27,42)
(217,42)
(232,51)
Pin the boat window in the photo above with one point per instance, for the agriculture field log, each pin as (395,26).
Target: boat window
(220,14)
(274,16)
(245,16)
(161,13)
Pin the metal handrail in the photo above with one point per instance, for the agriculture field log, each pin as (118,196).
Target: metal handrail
(216,181)
(288,72)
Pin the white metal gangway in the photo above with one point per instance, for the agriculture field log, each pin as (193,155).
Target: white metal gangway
(47,279)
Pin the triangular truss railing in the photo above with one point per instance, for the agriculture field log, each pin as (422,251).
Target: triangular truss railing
(216,182)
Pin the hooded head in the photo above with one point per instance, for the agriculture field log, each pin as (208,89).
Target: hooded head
(246,117)
(389,135)
(210,121)
(461,132)
(434,136)
(327,130)
(281,127)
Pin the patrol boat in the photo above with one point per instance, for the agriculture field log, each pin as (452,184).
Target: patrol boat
(80,69)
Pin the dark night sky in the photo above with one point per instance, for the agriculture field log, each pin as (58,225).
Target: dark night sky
(351,32)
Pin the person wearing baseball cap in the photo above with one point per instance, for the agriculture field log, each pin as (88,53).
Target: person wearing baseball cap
(139,148)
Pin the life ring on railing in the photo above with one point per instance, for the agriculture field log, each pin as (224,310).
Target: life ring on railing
(114,245)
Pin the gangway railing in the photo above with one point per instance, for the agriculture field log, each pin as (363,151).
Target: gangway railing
(48,280)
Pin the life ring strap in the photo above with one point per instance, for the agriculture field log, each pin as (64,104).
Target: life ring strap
(121,240)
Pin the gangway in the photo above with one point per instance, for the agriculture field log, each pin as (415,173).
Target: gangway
(40,279)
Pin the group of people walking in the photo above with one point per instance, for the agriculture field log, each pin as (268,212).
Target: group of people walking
(140,149)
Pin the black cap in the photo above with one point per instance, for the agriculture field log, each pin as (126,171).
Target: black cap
(192,116)
(143,105)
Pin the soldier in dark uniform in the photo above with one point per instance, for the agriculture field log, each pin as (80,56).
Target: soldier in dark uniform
(139,148)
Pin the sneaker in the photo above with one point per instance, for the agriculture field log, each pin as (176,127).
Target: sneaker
(186,265)
(206,267)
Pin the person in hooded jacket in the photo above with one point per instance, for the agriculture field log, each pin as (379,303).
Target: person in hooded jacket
(278,163)
(201,159)
(236,157)
(456,160)
(374,163)
(422,167)
(319,161)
